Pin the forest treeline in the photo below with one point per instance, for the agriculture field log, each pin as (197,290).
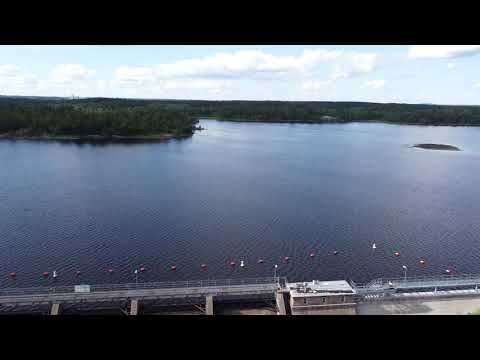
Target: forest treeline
(56,117)
(105,116)
(318,112)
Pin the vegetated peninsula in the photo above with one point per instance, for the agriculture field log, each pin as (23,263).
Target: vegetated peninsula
(43,117)
(93,120)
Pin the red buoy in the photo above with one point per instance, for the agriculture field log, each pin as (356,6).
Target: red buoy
(448,271)
(13,275)
(396,253)
(78,273)
(142,269)
(232,263)
(110,271)
(45,274)
(423,263)
(173,267)
(312,255)
(204,266)
(260,261)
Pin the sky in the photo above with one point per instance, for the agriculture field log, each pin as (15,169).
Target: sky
(438,74)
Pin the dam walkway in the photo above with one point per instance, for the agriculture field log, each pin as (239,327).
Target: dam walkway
(181,291)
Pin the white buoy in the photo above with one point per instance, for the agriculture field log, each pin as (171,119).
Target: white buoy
(242,264)
(54,274)
(374,246)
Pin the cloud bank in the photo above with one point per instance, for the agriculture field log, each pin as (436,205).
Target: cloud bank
(374,84)
(69,73)
(442,51)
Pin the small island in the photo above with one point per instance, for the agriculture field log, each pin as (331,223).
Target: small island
(437,147)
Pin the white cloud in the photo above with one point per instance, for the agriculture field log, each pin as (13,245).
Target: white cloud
(477,85)
(354,64)
(218,73)
(68,73)
(197,84)
(144,78)
(451,65)
(374,84)
(315,85)
(14,80)
(363,63)
(253,63)
(134,75)
(253,74)
(246,63)
(26,81)
(9,70)
(442,51)
(213,87)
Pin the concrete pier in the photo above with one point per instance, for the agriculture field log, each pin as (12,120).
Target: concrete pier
(280,303)
(134,307)
(56,309)
(209,305)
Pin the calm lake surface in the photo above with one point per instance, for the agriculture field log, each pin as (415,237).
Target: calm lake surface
(242,191)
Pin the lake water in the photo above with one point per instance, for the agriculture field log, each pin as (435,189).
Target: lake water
(242,191)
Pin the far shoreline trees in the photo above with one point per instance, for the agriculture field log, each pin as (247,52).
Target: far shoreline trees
(33,116)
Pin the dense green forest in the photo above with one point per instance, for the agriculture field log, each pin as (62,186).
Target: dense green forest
(35,117)
(102,116)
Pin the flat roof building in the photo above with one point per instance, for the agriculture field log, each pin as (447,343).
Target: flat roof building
(322,298)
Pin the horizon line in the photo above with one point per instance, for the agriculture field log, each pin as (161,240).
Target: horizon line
(232,100)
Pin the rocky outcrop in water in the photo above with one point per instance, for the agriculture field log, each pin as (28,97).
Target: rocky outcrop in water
(437,147)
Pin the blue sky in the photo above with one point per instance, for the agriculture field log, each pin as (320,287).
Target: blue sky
(441,74)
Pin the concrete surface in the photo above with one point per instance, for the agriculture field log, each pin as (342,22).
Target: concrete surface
(457,306)
(209,305)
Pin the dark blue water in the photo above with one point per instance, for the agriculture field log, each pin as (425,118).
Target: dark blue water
(240,191)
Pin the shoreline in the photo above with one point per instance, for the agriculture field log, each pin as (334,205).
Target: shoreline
(93,138)
(338,122)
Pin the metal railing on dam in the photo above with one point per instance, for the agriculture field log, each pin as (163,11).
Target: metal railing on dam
(418,286)
(141,290)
